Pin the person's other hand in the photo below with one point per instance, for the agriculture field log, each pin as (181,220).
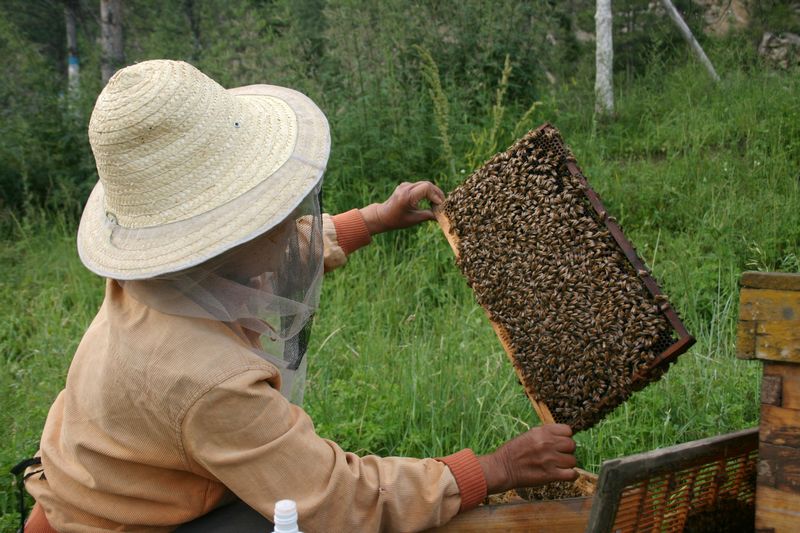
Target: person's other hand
(401,209)
(538,456)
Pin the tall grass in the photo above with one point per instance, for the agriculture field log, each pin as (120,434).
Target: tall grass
(704,179)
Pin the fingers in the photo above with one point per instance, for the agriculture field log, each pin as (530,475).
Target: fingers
(562,437)
(564,445)
(565,474)
(401,209)
(421,215)
(435,195)
(559,429)
(565,460)
(424,190)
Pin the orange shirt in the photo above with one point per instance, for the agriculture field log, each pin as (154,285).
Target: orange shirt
(164,418)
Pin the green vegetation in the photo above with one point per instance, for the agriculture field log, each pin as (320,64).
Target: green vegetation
(703,178)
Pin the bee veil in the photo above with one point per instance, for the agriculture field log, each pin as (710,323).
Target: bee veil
(265,290)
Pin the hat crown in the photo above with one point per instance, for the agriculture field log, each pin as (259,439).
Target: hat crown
(162,134)
(189,170)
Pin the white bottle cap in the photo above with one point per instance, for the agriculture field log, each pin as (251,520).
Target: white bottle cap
(286,517)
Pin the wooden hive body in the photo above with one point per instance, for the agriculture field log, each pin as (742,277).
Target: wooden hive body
(698,486)
(579,315)
(769,330)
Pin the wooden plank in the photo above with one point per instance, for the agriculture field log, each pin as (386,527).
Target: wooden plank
(542,411)
(607,500)
(771,390)
(771,280)
(768,305)
(777,509)
(616,474)
(628,249)
(780,426)
(667,356)
(778,341)
(779,467)
(562,516)
(769,325)
(746,340)
(789,375)
(790,392)
(646,465)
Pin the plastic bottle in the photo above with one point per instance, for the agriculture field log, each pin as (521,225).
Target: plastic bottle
(286,517)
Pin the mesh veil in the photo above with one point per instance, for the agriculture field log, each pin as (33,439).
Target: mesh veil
(266,290)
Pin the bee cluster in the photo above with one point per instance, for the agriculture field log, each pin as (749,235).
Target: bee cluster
(580,323)
(555,490)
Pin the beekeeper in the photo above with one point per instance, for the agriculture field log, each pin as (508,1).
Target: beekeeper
(178,406)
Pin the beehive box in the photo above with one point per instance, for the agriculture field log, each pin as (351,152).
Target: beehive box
(703,486)
(707,485)
(580,316)
(769,330)
(557,507)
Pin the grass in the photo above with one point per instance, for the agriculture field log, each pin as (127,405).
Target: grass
(704,180)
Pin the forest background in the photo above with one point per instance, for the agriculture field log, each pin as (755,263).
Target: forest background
(703,176)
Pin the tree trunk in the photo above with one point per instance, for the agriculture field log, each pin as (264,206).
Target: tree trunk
(604,60)
(113,55)
(73,66)
(687,34)
(194,26)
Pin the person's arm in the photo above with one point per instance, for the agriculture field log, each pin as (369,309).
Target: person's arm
(345,233)
(342,235)
(246,435)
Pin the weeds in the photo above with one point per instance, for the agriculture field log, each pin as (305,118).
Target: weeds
(402,361)
(441,108)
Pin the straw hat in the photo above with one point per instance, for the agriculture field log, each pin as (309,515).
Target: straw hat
(189,170)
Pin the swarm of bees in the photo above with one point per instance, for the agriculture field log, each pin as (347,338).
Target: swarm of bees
(581,325)
(556,490)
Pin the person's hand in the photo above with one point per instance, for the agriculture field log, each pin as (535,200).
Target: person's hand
(540,455)
(402,210)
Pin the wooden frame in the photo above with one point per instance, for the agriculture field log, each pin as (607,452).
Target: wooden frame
(618,474)
(563,516)
(680,345)
(769,330)
(567,515)
(542,411)
(769,317)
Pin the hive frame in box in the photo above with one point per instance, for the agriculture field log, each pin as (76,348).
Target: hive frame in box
(696,473)
(656,491)
(681,344)
(517,514)
(685,340)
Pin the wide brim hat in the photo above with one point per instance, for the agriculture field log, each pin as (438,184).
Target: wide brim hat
(189,170)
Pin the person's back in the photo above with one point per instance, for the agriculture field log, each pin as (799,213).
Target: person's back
(113,444)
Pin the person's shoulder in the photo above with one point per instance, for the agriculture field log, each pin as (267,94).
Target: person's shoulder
(204,350)
(140,346)
(188,351)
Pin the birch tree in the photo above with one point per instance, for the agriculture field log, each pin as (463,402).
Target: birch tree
(73,64)
(113,55)
(604,60)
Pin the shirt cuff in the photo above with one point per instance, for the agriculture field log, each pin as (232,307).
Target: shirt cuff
(469,478)
(351,231)
(37,521)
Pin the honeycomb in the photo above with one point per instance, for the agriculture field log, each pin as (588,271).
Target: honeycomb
(582,327)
